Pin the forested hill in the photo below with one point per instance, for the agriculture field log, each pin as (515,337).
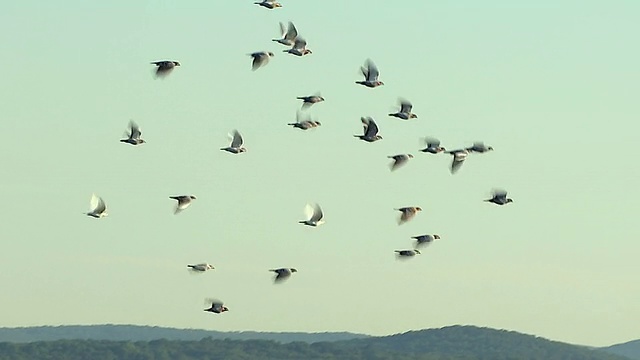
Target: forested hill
(629,349)
(148,333)
(450,343)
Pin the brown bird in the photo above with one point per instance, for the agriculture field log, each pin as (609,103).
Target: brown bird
(407,213)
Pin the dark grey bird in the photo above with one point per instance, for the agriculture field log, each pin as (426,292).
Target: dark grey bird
(283,274)
(134,135)
(424,240)
(217,306)
(479,147)
(304,124)
(299,47)
(407,253)
(399,160)
(236,144)
(459,156)
(499,197)
(371,74)
(184,201)
(432,145)
(269,4)
(260,59)
(200,267)
(370,130)
(165,67)
(307,101)
(405,111)
(289,35)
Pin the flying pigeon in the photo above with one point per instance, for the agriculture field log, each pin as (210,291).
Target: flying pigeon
(269,4)
(288,35)
(405,111)
(200,267)
(260,58)
(459,156)
(479,147)
(307,101)
(134,135)
(433,146)
(99,208)
(407,213)
(236,144)
(304,124)
(283,274)
(217,306)
(499,198)
(370,130)
(184,201)
(407,253)
(299,47)
(315,215)
(399,160)
(424,240)
(165,67)
(371,73)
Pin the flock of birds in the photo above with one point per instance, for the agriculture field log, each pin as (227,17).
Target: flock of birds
(315,215)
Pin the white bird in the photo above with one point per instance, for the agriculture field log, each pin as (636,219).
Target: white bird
(200,267)
(134,135)
(304,124)
(299,47)
(283,274)
(371,74)
(236,144)
(184,201)
(407,213)
(288,35)
(315,215)
(370,130)
(459,156)
(269,4)
(165,67)
(260,59)
(99,208)
(405,111)
(424,240)
(399,160)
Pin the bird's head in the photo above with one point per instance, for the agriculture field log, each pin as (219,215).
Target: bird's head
(413,116)
(176,63)
(277,5)
(380,83)
(410,156)
(270,53)
(441,149)
(418,208)
(293,270)
(321,98)
(192,197)
(509,200)
(489,148)
(417,251)
(318,123)
(436,236)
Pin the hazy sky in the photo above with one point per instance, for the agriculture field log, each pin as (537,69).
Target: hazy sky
(551,85)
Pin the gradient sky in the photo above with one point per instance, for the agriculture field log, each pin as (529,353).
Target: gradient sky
(551,85)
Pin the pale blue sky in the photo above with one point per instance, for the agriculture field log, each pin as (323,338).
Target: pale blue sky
(551,85)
